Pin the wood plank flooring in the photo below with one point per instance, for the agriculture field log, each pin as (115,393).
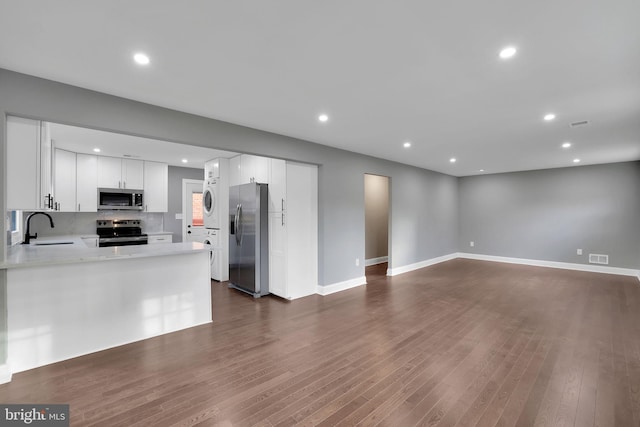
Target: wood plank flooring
(462,343)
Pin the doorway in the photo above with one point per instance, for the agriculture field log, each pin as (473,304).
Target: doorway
(376,219)
(193,215)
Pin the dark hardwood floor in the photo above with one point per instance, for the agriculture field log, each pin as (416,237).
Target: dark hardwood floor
(459,343)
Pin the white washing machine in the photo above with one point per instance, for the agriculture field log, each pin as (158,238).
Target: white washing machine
(211,203)
(212,238)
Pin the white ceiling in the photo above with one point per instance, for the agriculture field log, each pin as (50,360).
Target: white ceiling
(385,71)
(82,140)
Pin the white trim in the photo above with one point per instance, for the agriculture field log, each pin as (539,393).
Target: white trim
(407,268)
(5,374)
(341,286)
(374,261)
(639,275)
(553,264)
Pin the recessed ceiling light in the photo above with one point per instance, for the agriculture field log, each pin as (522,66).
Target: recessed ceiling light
(185,161)
(96,150)
(576,160)
(549,117)
(481,170)
(407,144)
(508,52)
(566,145)
(141,58)
(323,118)
(452,160)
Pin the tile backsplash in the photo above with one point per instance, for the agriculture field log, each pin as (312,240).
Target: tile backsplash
(84,223)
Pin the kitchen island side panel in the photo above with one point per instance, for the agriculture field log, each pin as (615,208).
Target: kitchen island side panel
(56,312)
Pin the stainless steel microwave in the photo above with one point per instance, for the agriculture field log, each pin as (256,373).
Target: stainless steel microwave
(120,199)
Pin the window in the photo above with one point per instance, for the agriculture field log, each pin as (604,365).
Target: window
(14,219)
(196,209)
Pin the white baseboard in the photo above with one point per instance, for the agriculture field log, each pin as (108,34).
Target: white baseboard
(421,264)
(374,261)
(341,286)
(5,374)
(554,264)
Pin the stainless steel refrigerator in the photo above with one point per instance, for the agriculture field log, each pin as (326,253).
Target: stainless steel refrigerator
(249,238)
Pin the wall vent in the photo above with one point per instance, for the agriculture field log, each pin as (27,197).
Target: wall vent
(576,124)
(598,259)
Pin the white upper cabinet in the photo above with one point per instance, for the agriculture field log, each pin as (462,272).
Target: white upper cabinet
(87,182)
(23,165)
(109,172)
(64,182)
(132,174)
(120,173)
(235,176)
(254,169)
(156,186)
(277,185)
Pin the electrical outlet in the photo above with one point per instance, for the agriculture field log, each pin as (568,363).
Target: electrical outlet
(579,251)
(357,262)
(472,244)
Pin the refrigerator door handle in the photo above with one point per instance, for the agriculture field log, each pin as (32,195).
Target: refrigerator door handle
(235,224)
(239,226)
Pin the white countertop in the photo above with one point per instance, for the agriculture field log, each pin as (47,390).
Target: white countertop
(37,254)
(157,233)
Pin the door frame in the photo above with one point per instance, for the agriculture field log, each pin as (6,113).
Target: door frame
(185,182)
(389,220)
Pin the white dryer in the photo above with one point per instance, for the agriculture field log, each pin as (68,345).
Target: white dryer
(212,238)
(211,203)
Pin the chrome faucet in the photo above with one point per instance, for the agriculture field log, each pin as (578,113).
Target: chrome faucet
(27,236)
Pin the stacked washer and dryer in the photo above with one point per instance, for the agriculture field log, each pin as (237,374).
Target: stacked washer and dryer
(215,200)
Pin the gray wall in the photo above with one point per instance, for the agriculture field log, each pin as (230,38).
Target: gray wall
(423,203)
(549,214)
(176,175)
(376,216)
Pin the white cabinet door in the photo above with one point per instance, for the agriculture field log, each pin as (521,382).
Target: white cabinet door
(277,185)
(160,238)
(87,182)
(254,169)
(235,173)
(156,186)
(278,256)
(132,174)
(64,180)
(23,174)
(46,165)
(109,172)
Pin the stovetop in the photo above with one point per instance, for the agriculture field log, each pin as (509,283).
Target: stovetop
(119,227)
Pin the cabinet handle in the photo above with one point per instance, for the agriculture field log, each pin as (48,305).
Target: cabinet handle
(119,186)
(78,207)
(283,219)
(124,184)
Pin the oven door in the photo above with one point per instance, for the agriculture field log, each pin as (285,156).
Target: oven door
(104,242)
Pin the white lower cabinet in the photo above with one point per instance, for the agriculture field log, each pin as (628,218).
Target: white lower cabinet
(278,256)
(160,238)
(90,241)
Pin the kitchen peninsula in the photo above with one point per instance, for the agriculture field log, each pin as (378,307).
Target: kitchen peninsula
(65,299)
